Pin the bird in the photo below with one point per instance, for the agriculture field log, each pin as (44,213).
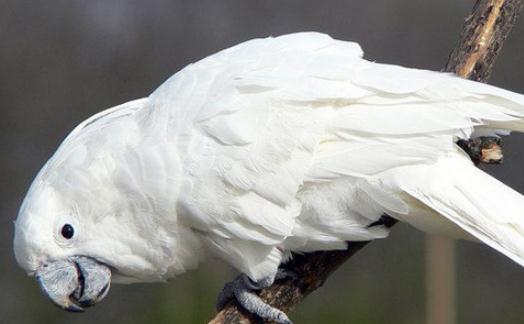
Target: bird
(273,147)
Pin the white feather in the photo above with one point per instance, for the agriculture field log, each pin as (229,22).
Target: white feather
(294,143)
(481,205)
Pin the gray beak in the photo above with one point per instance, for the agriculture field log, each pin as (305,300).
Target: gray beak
(74,283)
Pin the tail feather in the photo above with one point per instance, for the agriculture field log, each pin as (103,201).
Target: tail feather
(476,202)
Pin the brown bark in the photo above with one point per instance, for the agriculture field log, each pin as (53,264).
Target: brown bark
(484,33)
(482,38)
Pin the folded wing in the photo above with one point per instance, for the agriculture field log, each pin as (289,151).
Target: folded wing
(263,122)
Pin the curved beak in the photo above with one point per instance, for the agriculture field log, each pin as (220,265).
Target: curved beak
(74,283)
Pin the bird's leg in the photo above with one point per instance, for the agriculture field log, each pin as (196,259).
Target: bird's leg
(243,290)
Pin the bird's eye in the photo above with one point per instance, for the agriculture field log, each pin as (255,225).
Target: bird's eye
(67,231)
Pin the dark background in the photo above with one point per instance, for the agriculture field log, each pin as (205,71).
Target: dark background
(62,61)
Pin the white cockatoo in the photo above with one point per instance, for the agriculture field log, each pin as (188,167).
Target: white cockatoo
(273,146)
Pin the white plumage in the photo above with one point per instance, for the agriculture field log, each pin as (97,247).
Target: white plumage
(276,145)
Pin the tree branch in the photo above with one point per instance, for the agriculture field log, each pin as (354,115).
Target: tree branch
(484,33)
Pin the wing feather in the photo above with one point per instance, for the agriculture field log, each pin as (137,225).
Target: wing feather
(478,203)
(263,122)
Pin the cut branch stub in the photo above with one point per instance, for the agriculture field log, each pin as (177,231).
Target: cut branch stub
(484,149)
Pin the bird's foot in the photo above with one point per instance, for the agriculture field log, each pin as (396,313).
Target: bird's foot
(243,290)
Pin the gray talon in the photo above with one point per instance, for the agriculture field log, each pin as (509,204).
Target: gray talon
(242,289)
(225,295)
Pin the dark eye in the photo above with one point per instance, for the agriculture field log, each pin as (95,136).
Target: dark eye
(67,231)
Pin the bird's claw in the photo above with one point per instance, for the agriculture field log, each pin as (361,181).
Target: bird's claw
(283,273)
(243,290)
(225,295)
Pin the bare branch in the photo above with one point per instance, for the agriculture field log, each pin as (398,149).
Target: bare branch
(484,33)
(482,38)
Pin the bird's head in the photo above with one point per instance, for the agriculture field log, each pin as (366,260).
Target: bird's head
(97,213)
(76,232)
(50,244)
(76,241)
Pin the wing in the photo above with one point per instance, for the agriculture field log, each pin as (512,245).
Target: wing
(259,123)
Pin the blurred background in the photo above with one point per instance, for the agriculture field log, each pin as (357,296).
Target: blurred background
(63,61)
